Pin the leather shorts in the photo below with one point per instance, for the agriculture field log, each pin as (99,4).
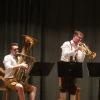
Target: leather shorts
(68,84)
(11,83)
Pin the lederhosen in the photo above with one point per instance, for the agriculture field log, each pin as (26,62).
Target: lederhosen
(10,83)
(68,83)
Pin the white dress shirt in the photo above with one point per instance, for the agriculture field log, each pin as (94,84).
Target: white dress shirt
(9,62)
(68,50)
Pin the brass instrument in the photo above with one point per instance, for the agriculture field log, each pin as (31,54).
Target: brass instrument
(23,55)
(90,54)
(21,74)
(2,73)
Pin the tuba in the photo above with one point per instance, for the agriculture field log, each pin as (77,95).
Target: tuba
(90,54)
(21,74)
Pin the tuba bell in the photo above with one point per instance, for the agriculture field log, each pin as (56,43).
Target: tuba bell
(90,54)
(21,74)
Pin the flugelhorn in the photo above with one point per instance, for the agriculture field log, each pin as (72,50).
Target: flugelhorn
(90,54)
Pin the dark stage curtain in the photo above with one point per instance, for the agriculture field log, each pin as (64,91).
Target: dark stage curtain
(52,22)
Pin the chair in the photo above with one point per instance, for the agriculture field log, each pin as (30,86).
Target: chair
(5,93)
(4,90)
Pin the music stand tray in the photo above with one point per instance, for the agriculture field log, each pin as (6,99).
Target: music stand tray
(72,69)
(41,69)
(94,69)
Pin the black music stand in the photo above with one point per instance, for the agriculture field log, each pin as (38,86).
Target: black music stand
(41,69)
(94,71)
(70,69)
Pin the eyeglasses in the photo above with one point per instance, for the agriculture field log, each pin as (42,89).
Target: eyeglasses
(80,37)
(15,49)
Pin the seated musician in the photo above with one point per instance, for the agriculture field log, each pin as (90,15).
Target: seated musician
(71,52)
(11,64)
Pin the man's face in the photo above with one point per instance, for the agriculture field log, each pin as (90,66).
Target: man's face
(14,50)
(77,38)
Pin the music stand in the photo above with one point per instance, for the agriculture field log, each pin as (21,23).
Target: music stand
(72,69)
(41,69)
(94,71)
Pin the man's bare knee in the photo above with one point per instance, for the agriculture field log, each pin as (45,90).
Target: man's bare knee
(19,87)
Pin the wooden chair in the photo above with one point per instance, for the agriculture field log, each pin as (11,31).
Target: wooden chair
(4,90)
(5,93)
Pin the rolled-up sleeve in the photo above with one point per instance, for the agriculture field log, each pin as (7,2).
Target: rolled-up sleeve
(66,49)
(7,62)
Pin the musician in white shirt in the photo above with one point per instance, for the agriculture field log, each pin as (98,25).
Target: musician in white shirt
(11,63)
(71,52)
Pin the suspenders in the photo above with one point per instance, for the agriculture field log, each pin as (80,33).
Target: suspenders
(72,59)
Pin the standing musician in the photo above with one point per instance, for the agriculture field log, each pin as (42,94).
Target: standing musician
(11,63)
(72,51)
